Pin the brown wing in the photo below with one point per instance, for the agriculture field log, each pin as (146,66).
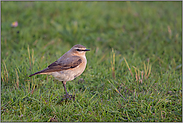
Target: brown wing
(66,64)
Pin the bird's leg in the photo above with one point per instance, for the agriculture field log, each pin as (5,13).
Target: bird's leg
(67,95)
(64,84)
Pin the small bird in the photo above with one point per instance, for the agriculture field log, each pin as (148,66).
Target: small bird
(67,67)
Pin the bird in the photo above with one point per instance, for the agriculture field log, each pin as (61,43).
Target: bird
(69,66)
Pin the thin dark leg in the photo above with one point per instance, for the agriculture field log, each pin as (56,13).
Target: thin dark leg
(67,96)
(64,84)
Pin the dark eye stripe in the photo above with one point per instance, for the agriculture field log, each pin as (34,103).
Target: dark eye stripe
(79,50)
(83,50)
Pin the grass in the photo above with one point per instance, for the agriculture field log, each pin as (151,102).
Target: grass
(134,69)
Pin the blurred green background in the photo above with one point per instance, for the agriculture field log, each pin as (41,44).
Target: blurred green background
(142,36)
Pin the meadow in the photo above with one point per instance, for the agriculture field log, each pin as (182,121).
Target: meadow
(134,68)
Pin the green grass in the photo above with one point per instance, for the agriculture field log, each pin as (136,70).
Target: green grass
(136,54)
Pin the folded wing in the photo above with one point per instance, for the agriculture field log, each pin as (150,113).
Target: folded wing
(65,64)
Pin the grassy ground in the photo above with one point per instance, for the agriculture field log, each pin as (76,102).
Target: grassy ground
(134,70)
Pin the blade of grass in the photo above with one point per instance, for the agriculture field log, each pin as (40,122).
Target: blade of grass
(6,72)
(128,66)
(17,79)
(29,56)
(117,90)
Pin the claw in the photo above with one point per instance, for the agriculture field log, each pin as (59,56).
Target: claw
(68,97)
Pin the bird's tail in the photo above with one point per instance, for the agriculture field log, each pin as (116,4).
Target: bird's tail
(40,72)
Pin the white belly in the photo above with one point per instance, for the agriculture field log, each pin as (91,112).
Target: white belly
(68,75)
(63,75)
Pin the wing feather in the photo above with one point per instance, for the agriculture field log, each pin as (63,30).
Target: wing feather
(66,64)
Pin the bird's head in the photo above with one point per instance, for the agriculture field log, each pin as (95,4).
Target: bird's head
(79,50)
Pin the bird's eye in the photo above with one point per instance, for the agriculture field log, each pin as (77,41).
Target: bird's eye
(78,49)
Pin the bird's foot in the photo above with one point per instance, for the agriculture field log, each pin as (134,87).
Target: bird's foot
(68,97)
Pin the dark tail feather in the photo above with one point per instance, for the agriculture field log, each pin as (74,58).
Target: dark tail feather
(39,72)
(34,74)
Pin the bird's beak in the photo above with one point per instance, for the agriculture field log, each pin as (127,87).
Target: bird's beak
(87,50)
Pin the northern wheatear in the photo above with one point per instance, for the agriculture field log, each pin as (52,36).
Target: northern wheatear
(67,67)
